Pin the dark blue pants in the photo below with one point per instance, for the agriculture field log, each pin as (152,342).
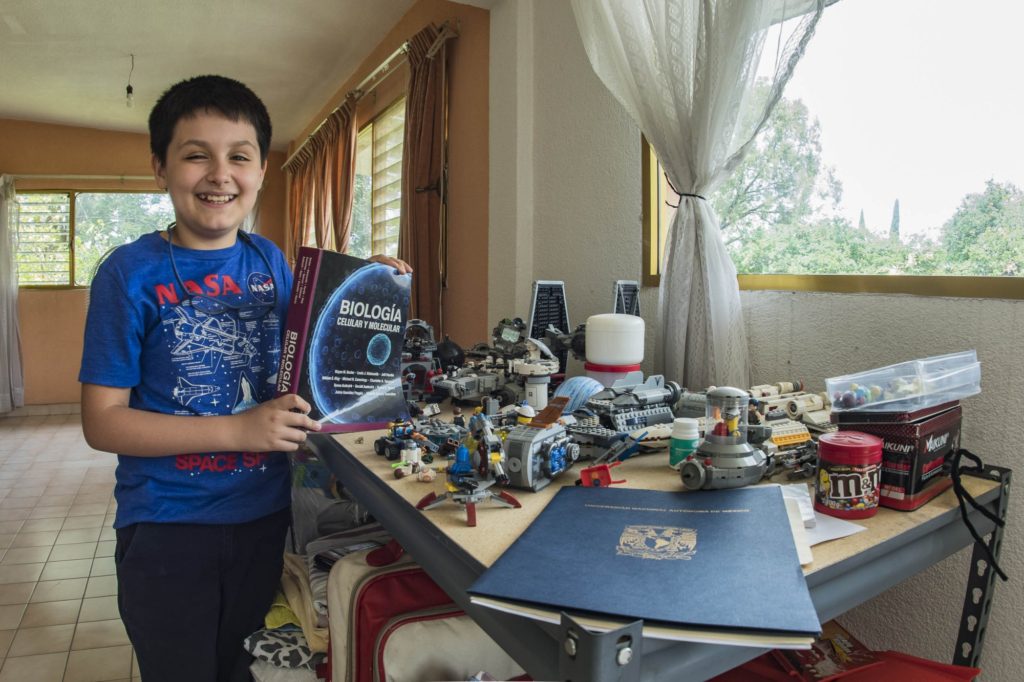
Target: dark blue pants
(190,593)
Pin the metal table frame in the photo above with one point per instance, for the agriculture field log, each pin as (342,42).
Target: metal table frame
(567,652)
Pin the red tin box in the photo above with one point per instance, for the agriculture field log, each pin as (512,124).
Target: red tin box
(914,452)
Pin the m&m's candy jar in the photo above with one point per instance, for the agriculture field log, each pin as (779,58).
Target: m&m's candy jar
(849,464)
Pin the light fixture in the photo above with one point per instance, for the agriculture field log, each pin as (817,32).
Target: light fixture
(129,91)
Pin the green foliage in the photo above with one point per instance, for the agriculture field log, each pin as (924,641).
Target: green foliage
(781,179)
(984,235)
(361,226)
(43,228)
(778,214)
(827,246)
(105,220)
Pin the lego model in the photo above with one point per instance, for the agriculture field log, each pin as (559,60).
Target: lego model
(438,431)
(692,404)
(399,433)
(761,428)
(419,363)
(538,451)
(787,433)
(490,456)
(507,337)
(775,390)
(485,371)
(466,487)
(630,404)
(626,297)
(473,382)
(562,343)
(813,410)
(622,449)
(548,309)
(593,439)
(598,475)
(529,361)
(411,460)
(800,462)
(514,367)
(535,372)
(449,354)
(724,459)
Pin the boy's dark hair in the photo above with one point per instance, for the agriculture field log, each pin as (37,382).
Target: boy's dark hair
(225,96)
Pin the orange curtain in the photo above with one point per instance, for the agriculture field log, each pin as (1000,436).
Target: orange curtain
(422,228)
(322,184)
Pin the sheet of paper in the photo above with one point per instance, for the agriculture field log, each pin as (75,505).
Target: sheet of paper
(796,525)
(830,528)
(802,494)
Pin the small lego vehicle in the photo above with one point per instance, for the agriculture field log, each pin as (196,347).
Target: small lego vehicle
(389,445)
(598,475)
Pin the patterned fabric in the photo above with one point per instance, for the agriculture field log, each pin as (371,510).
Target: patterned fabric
(267,672)
(283,647)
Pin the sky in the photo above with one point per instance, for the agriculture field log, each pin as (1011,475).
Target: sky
(918,100)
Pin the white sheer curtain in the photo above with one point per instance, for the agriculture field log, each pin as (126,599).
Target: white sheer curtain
(12,381)
(682,69)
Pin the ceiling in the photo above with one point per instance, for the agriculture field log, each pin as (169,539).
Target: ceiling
(68,61)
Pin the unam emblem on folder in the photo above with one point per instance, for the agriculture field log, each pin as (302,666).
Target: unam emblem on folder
(657,542)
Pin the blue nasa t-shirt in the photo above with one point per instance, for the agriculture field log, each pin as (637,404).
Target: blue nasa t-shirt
(143,333)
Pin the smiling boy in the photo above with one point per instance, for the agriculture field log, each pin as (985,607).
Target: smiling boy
(181,350)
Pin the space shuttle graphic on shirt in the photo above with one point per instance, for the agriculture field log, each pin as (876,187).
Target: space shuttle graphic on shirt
(186,392)
(246,401)
(197,335)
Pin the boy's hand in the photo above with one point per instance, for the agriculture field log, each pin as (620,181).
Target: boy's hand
(400,265)
(279,425)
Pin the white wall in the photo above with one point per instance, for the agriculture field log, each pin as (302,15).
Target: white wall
(564,155)
(565,204)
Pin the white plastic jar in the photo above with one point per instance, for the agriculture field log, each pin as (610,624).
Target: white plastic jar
(613,339)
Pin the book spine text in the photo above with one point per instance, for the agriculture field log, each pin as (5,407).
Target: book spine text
(293,346)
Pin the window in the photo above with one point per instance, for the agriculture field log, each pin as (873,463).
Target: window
(377,206)
(63,236)
(872,167)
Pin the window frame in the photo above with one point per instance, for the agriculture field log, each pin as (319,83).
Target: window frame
(71,241)
(380,112)
(72,213)
(652,241)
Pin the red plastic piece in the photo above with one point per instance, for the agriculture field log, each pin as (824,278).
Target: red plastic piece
(427,499)
(598,475)
(511,500)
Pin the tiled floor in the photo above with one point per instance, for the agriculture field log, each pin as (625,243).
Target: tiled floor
(58,593)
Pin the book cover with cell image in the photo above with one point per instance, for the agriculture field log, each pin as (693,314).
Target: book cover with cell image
(342,346)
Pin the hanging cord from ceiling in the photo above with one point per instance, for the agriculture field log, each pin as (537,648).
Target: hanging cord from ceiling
(129,91)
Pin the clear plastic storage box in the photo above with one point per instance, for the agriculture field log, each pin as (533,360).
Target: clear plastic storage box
(916,383)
